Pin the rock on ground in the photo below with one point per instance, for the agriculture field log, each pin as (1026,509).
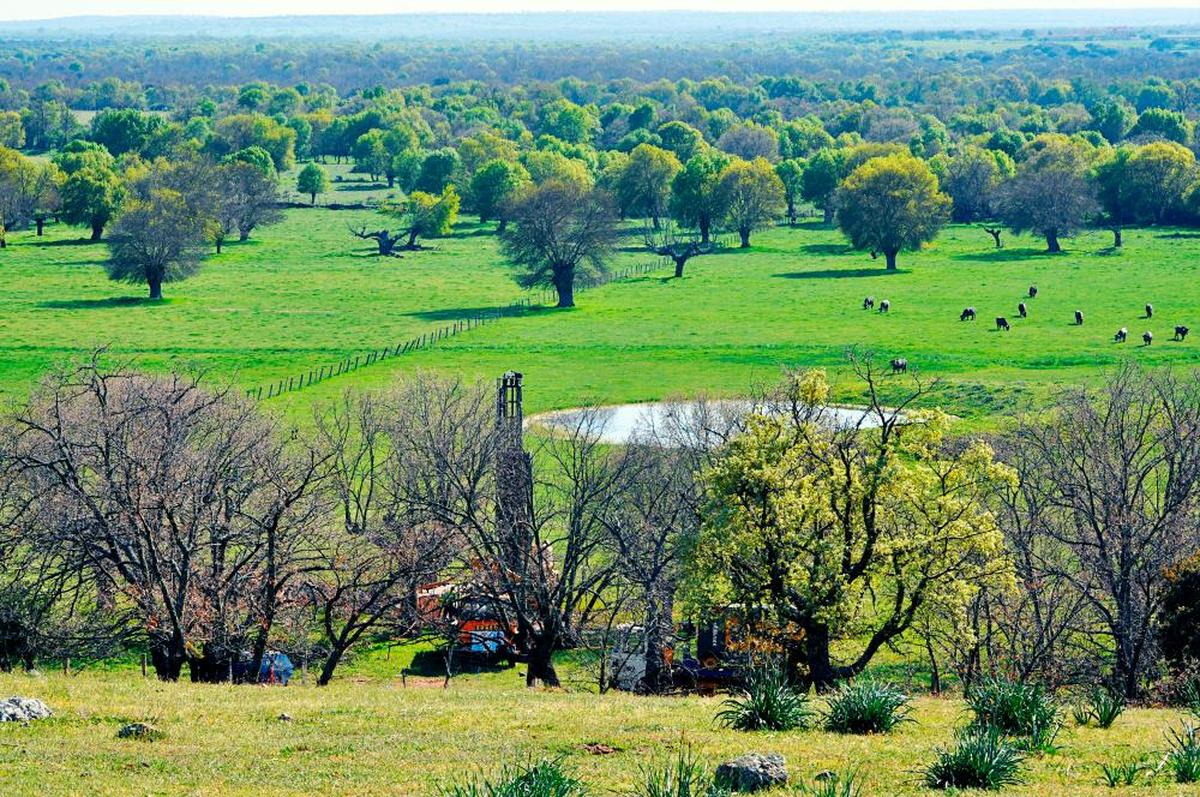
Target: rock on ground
(753,771)
(23,709)
(139,730)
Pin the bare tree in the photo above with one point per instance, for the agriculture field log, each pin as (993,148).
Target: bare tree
(157,486)
(1113,477)
(378,554)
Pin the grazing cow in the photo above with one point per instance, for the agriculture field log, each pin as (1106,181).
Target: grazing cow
(968,314)
(1079,318)
(1147,338)
(868,302)
(899,365)
(1002,323)
(1121,335)
(1023,310)
(884,306)
(1032,291)
(1180,332)
(1149,310)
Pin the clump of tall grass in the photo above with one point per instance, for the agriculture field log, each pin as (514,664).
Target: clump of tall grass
(546,778)
(683,776)
(767,702)
(1017,709)
(1183,757)
(981,758)
(1124,773)
(866,706)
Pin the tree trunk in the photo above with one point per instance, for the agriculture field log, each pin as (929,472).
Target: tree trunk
(219,242)
(705,229)
(791,212)
(820,668)
(654,219)
(1052,242)
(167,655)
(97,230)
(312,199)
(155,287)
(41,226)
(243,235)
(502,226)
(744,232)
(564,285)
(331,663)
(935,675)
(1116,231)
(391,178)
(679,263)
(657,677)
(891,259)
(541,666)
(828,212)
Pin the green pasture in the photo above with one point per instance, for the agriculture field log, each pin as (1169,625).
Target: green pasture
(306,294)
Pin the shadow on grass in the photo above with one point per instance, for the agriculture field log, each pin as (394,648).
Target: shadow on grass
(1007,255)
(459,313)
(351,188)
(103,304)
(64,242)
(840,273)
(827,249)
(1170,235)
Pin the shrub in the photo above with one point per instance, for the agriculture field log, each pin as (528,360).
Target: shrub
(1125,773)
(1081,713)
(1106,707)
(685,776)
(544,779)
(980,759)
(1184,756)
(833,784)
(766,703)
(866,707)
(1017,709)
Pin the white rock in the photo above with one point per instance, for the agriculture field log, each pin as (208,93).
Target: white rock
(23,709)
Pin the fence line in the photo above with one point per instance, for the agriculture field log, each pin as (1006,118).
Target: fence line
(546,296)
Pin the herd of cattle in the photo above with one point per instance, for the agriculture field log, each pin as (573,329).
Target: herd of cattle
(900,364)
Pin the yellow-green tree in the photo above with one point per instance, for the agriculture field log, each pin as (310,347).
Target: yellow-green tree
(890,204)
(752,196)
(842,535)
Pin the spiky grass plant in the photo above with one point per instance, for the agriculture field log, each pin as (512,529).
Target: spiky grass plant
(546,778)
(866,706)
(981,758)
(766,703)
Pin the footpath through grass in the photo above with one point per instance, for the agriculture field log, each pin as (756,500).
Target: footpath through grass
(371,736)
(306,294)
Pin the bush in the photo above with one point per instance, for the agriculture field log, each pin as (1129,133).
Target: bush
(866,707)
(980,759)
(1183,758)
(543,779)
(833,784)
(767,703)
(685,776)
(1017,709)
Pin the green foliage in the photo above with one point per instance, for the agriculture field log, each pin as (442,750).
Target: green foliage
(496,186)
(1124,773)
(1183,757)
(1016,709)
(257,157)
(546,778)
(683,776)
(1106,707)
(766,702)
(981,758)
(312,180)
(891,204)
(866,706)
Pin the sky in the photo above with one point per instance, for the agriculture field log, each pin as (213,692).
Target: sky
(63,8)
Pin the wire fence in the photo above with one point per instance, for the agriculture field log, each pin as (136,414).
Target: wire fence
(543,296)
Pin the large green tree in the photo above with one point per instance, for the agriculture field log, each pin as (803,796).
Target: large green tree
(695,192)
(751,195)
(1051,194)
(494,188)
(91,197)
(891,204)
(644,185)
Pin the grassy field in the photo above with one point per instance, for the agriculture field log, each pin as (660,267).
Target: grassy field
(369,735)
(306,293)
